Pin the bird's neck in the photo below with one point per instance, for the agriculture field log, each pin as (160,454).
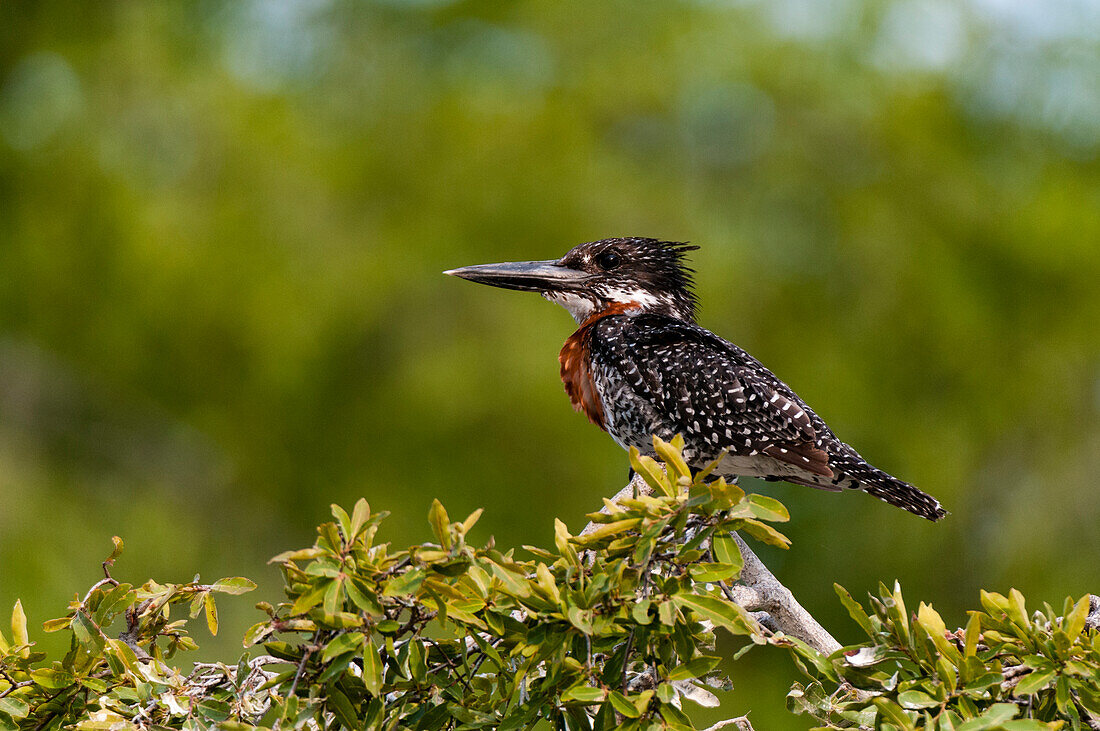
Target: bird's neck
(588,309)
(612,308)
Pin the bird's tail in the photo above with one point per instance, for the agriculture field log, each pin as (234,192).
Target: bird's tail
(853,472)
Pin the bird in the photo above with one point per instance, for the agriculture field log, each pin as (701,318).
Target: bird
(639,365)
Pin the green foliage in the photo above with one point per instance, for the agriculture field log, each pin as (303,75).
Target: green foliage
(1006,670)
(613,628)
(607,630)
(116,673)
(595,633)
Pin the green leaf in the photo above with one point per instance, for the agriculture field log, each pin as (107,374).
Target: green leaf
(343,643)
(915,700)
(768,508)
(720,611)
(893,714)
(233,585)
(855,610)
(640,611)
(211,613)
(651,472)
(110,560)
(372,668)
(666,612)
(765,533)
(1062,697)
(1025,724)
(1074,622)
(330,602)
(948,674)
(581,619)
(405,584)
(14,707)
(360,514)
(117,600)
(695,668)
(256,632)
(470,521)
(309,599)
(87,633)
(996,715)
(343,709)
(895,612)
(50,625)
(671,456)
(710,572)
(615,528)
(52,679)
(583,693)
(546,581)
(623,705)
(344,521)
(1034,682)
(19,629)
(973,634)
(995,604)
(675,718)
(565,548)
(726,551)
(437,516)
(363,597)
(930,620)
(418,669)
(1017,610)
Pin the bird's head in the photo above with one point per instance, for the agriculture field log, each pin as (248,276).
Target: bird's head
(628,274)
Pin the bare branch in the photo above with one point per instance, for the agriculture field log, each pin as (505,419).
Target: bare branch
(759,590)
(741,723)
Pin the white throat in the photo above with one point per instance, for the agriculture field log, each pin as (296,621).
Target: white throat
(581,308)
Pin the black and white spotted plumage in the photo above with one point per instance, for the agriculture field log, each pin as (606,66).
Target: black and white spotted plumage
(658,375)
(639,365)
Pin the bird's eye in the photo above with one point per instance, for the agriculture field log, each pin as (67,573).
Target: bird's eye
(608,260)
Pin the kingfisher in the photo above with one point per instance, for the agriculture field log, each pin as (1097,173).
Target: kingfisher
(639,365)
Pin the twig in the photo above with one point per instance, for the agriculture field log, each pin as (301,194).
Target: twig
(741,723)
(12,684)
(298,675)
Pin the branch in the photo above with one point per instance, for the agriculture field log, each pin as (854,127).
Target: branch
(741,723)
(757,589)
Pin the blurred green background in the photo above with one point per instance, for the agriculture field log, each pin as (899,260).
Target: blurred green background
(222,227)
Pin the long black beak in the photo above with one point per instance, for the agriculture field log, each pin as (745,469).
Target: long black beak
(529,276)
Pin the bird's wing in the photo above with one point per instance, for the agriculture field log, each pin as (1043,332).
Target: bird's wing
(715,393)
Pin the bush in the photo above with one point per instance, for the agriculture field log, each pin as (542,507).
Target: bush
(610,629)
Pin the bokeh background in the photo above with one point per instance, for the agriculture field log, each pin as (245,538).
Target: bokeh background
(222,227)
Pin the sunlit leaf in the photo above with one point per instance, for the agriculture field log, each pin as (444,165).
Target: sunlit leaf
(623,705)
(372,668)
(584,694)
(695,668)
(855,610)
(233,585)
(440,522)
(768,508)
(211,613)
(19,629)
